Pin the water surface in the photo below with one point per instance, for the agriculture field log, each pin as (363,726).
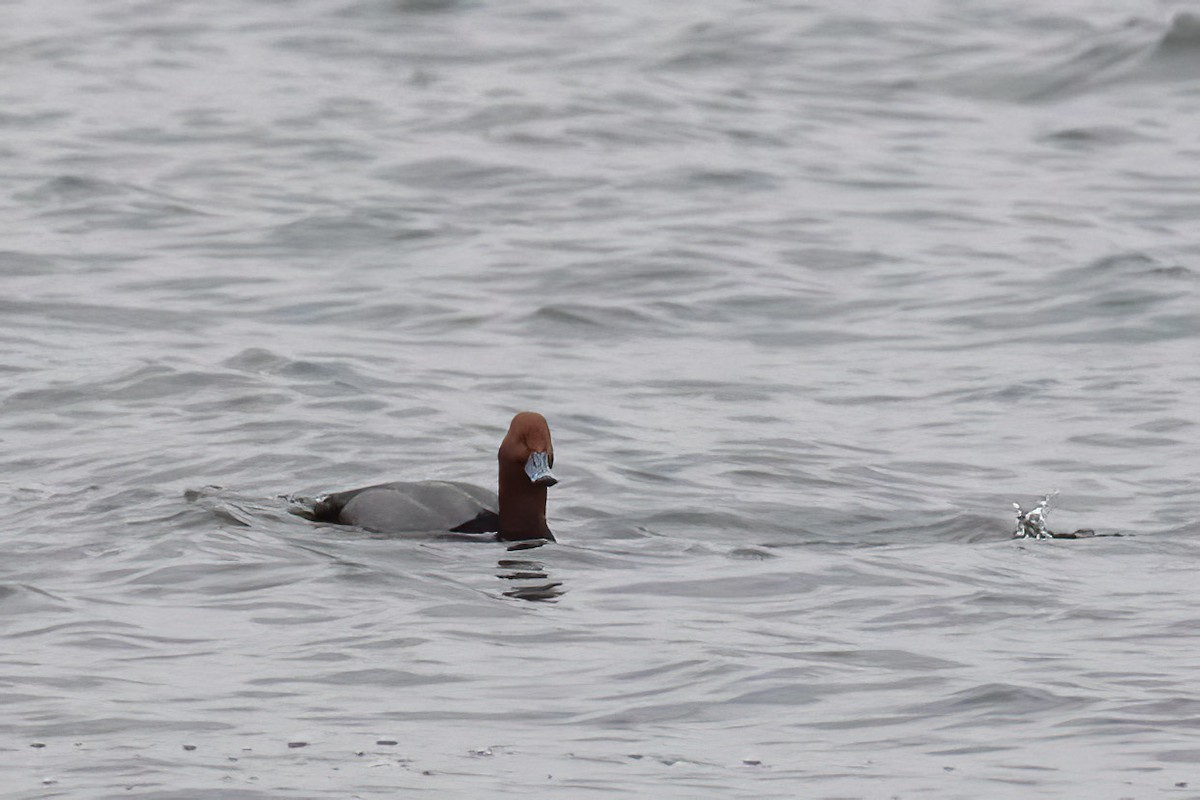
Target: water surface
(808,294)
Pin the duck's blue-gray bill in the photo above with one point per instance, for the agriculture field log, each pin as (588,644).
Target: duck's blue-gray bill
(538,470)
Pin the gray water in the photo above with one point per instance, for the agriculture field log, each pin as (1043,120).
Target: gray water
(810,293)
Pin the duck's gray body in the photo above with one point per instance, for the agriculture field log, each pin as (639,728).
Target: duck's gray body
(412,506)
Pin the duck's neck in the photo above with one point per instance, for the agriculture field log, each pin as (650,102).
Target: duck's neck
(522,506)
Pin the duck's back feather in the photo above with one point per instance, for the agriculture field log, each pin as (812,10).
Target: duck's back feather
(411,506)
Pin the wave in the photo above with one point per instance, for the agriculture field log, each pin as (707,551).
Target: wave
(1137,52)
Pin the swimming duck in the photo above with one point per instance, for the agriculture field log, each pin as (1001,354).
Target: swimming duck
(525,458)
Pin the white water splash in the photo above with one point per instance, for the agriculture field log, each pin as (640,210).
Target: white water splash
(1032,524)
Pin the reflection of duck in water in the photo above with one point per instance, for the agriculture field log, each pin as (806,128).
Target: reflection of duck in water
(526,456)
(530,579)
(1031,524)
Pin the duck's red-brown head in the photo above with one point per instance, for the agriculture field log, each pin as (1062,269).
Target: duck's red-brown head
(526,456)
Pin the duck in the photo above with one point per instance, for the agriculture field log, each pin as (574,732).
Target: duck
(526,457)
